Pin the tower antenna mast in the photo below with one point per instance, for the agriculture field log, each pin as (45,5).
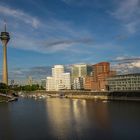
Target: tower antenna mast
(4,25)
(5,37)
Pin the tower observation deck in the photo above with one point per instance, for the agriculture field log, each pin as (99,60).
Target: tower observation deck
(5,37)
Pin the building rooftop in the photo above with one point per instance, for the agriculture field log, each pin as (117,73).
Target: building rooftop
(124,75)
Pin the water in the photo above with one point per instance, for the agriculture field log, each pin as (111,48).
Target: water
(69,119)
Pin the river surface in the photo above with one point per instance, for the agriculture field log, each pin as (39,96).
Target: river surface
(69,119)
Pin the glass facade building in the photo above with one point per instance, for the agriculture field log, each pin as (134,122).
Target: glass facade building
(81,70)
(129,82)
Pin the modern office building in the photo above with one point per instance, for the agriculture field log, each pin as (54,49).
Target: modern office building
(50,86)
(79,73)
(59,79)
(78,83)
(43,83)
(98,81)
(57,72)
(66,80)
(88,83)
(101,83)
(129,82)
(80,70)
(100,68)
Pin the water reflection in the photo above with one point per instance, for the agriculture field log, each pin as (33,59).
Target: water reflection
(27,120)
(99,116)
(69,119)
(76,118)
(79,108)
(6,130)
(59,115)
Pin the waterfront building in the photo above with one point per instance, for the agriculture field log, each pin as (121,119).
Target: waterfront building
(57,72)
(50,86)
(88,83)
(59,79)
(78,83)
(43,83)
(79,73)
(12,82)
(66,80)
(100,68)
(101,83)
(30,81)
(128,82)
(80,70)
(98,81)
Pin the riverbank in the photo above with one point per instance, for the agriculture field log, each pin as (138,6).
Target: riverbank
(97,97)
(3,99)
(7,98)
(120,95)
(100,97)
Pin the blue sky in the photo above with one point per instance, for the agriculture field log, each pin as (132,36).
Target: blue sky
(48,32)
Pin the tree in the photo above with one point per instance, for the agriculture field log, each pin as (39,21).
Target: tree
(3,88)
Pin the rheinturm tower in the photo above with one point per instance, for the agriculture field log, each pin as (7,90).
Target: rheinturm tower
(5,37)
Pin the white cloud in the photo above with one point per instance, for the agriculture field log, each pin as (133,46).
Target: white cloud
(125,65)
(136,64)
(120,58)
(49,46)
(56,35)
(52,35)
(127,11)
(20,15)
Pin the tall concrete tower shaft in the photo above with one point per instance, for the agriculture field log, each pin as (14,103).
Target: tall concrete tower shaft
(5,37)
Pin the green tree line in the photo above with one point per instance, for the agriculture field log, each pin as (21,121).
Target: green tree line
(6,89)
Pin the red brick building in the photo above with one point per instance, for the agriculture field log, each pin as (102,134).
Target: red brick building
(88,83)
(98,82)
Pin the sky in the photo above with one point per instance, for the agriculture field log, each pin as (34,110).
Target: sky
(48,32)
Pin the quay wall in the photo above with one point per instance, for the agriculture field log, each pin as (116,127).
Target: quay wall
(120,95)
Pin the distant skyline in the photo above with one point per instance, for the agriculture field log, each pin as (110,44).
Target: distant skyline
(48,32)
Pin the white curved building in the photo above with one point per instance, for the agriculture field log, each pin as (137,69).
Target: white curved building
(59,79)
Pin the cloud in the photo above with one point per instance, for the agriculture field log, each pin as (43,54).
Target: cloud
(50,46)
(136,64)
(20,15)
(37,72)
(65,44)
(50,36)
(55,36)
(127,12)
(125,65)
(69,42)
(126,59)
